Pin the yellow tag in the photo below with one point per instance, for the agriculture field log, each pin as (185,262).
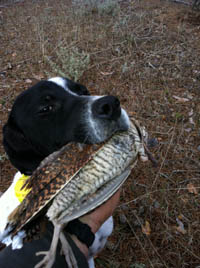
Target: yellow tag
(21,194)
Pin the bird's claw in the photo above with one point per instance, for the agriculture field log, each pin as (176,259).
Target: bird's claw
(47,261)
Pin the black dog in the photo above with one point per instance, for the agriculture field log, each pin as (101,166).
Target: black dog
(54,112)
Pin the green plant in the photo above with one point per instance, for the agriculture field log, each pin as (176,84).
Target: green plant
(104,7)
(3,157)
(69,62)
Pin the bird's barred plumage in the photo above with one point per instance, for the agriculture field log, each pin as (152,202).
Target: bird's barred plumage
(72,182)
(49,179)
(58,175)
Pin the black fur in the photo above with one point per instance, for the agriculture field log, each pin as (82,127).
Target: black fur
(54,112)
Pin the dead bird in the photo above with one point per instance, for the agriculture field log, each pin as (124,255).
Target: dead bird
(72,182)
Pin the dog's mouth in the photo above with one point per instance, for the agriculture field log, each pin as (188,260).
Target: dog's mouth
(103,118)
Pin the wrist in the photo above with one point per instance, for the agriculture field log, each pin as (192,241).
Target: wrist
(82,231)
(90,221)
(83,248)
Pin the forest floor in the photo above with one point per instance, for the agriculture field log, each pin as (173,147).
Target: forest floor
(148,54)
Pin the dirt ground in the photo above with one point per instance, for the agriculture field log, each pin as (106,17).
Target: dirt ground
(146,53)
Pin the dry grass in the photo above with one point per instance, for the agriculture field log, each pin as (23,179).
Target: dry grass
(146,53)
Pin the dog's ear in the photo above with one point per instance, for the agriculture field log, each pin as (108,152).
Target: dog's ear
(20,152)
(77,88)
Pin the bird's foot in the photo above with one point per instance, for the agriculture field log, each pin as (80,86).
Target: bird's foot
(67,251)
(47,261)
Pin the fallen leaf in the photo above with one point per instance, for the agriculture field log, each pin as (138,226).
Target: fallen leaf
(146,229)
(132,113)
(180,100)
(189,96)
(191,112)
(10,66)
(188,130)
(29,81)
(180,228)
(144,158)
(106,73)
(191,121)
(192,189)
(39,76)
(180,217)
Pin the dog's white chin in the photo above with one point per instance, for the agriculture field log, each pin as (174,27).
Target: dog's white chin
(99,131)
(124,121)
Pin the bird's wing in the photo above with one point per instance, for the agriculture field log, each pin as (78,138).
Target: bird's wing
(48,180)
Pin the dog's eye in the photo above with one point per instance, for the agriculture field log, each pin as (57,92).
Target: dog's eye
(46,109)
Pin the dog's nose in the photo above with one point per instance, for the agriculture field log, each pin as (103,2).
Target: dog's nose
(107,107)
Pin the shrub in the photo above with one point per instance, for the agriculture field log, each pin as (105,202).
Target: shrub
(69,62)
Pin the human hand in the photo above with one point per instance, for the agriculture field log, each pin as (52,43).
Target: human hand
(97,217)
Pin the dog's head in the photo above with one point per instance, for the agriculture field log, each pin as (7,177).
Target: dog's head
(54,112)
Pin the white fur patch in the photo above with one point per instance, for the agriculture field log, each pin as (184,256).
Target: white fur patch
(94,127)
(125,117)
(17,241)
(88,118)
(101,237)
(8,202)
(62,83)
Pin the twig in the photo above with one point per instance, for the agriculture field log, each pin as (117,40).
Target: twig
(150,156)
(171,140)
(152,192)
(10,4)
(138,240)
(155,250)
(11,66)
(181,2)
(106,61)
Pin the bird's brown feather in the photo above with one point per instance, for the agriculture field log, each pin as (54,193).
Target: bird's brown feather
(47,181)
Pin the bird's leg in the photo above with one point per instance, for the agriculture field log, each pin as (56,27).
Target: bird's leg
(50,255)
(69,255)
